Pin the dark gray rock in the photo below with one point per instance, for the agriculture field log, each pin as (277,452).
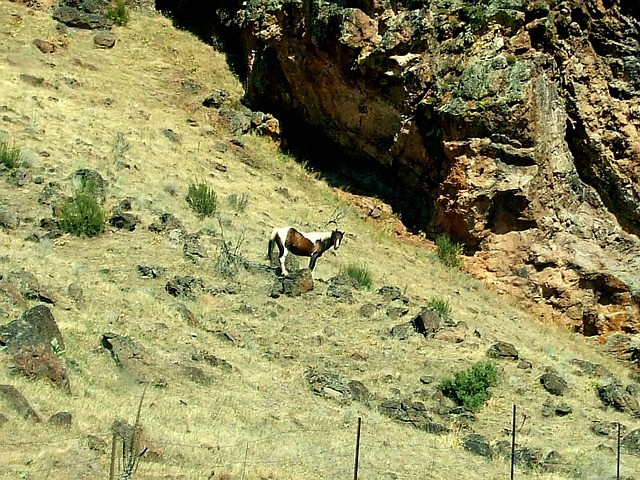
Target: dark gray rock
(503,350)
(553,384)
(478,444)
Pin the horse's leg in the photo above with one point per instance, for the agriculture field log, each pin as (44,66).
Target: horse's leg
(283,256)
(312,262)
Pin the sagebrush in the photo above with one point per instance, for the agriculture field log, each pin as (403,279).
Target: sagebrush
(448,251)
(470,387)
(83,214)
(202,199)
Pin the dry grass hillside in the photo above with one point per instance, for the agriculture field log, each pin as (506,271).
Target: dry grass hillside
(109,110)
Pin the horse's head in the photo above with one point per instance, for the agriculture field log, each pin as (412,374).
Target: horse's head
(336,238)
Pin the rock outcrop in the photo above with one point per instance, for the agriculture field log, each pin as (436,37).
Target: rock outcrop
(511,125)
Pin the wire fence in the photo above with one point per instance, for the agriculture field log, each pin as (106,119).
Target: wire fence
(358,457)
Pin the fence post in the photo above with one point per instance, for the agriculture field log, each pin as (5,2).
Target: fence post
(513,441)
(355,468)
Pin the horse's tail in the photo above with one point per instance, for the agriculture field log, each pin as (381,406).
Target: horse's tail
(272,242)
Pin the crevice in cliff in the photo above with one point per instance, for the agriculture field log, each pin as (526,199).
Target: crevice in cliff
(598,175)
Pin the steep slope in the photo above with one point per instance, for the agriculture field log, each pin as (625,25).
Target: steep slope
(511,125)
(239,382)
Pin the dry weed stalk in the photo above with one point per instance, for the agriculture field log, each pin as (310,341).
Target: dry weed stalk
(132,451)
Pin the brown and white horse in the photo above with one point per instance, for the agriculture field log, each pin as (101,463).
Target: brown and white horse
(312,244)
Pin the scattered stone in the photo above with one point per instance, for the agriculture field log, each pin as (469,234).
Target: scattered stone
(503,350)
(390,293)
(88,176)
(40,361)
(171,135)
(61,419)
(528,458)
(591,369)
(368,309)
(427,322)
(75,18)
(553,384)
(75,292)
(295,284)
(216,99)
(16,400)
(616,396)
(32,80)
(96,444)
(403,331)
(563,409)
(603,428)
(132,358)
(168,222)
(478,444)
(184,287)
(217,362)
(45,46)
(631,442)
(28,286)
(397,309)
(104,39)
(19,177)
(124,221)
(453,335)
(192,248)
(9,219)
(525,365)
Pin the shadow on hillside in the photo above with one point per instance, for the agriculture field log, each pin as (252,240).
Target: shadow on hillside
(211,23)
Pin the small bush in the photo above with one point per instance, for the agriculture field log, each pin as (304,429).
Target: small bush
(471,387)
(359,273)
(440,306)
(10,157)
(83,214)
(202,199)
(448,251)
(118,13)
(238,202)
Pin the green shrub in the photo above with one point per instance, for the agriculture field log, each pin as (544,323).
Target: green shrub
(118,13)
(202,199)
(359,273)
(238,202)
(440,306)
(10,157)
(471,387)
(83,214)
(448,251)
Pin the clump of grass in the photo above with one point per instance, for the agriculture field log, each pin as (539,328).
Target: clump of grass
(229,259)
(470,387)
(448,251)
(441,307)
(118,13)
(82,214)
(120,147)
(238,202)
(359,273)
(10,157)
(202,199)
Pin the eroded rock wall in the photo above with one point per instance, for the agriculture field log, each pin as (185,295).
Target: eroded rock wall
(513,122)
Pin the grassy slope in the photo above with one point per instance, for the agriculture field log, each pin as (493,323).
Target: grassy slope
(261,421)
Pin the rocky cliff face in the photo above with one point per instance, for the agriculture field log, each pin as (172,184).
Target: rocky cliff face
(512,123)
